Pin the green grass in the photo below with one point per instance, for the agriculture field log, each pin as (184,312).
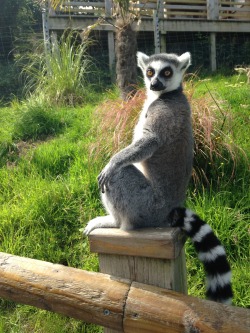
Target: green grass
(48,191)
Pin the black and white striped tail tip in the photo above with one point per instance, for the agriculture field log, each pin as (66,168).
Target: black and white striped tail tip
(210,252)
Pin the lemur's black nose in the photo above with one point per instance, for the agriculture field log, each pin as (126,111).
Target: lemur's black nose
(156,85)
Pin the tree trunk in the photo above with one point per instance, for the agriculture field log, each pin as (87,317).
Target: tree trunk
(126,64)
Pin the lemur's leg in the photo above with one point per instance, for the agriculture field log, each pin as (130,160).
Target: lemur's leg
(131,200)
(100,222)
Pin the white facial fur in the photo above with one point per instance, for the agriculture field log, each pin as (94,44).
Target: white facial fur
(178,64)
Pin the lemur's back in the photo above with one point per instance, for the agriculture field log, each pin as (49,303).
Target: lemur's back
(169,168)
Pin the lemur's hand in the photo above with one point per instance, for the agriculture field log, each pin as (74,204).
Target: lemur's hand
(105,176)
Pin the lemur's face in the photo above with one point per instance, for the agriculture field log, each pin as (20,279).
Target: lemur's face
(163,72)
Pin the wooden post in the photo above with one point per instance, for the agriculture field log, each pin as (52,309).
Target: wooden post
(213,14)
(45,18)
(212,9)
(162,34)
(163,42)
(111,39)
(151,256)
(111,48)
(213,51)
(156,32)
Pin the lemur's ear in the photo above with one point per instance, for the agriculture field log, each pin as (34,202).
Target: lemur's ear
(185,60)
(141,59)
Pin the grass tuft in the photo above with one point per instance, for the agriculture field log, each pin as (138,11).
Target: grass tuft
(58,76)
(115,120)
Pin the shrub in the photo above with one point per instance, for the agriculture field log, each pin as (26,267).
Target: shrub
(116,119)
(9,85)
(59,75)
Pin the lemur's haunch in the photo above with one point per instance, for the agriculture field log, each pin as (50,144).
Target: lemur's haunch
(144,182)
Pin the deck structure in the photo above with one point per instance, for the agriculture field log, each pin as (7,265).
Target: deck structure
(158,16)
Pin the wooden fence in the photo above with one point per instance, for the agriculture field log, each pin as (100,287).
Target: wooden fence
(113,302)
(180,9)
(159,16)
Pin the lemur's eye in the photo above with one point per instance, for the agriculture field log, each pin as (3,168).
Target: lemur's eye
(167,73)
(150,72)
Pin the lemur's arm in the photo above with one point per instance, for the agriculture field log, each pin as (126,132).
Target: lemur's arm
(136,152)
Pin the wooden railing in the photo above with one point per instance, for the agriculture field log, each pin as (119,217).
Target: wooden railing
(110,301)
(166,9)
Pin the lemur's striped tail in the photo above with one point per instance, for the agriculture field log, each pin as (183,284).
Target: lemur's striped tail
(210,252)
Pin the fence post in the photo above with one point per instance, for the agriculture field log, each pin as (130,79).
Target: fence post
(213,14)
(151,256)
(45,18)
(111,38)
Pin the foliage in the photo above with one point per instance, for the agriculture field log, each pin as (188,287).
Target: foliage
(9,85)
(58,76)
(115,120)
(16,19)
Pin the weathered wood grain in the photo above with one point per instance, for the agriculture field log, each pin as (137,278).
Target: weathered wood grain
(113,302)
(165,243)
(154,310)
(72,292)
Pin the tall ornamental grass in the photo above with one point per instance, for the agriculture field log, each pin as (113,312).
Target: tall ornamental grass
(57,74)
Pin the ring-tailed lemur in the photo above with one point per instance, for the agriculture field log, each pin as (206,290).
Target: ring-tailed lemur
(144,184)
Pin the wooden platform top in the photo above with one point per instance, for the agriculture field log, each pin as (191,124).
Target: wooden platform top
(164,243)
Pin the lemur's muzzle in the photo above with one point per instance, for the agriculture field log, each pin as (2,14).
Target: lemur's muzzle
(156,85)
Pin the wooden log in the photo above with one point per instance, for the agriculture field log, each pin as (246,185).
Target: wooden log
(88,296)
(150,309)
(120,304)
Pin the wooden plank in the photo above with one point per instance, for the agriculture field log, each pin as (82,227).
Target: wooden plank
(187,7)
(76,3)
(113,302)
(165,243)
(144,6)
(204,25)
(87,11)
(235,14)
(232,3)
(146,24)
(83,9)
(235,9)
(83,295)
(153,310)
(83,4)
(185,2)
(180,13)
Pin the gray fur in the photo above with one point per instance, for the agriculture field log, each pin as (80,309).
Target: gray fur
(142,183)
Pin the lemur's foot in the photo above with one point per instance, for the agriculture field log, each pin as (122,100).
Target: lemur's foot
(100,222)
